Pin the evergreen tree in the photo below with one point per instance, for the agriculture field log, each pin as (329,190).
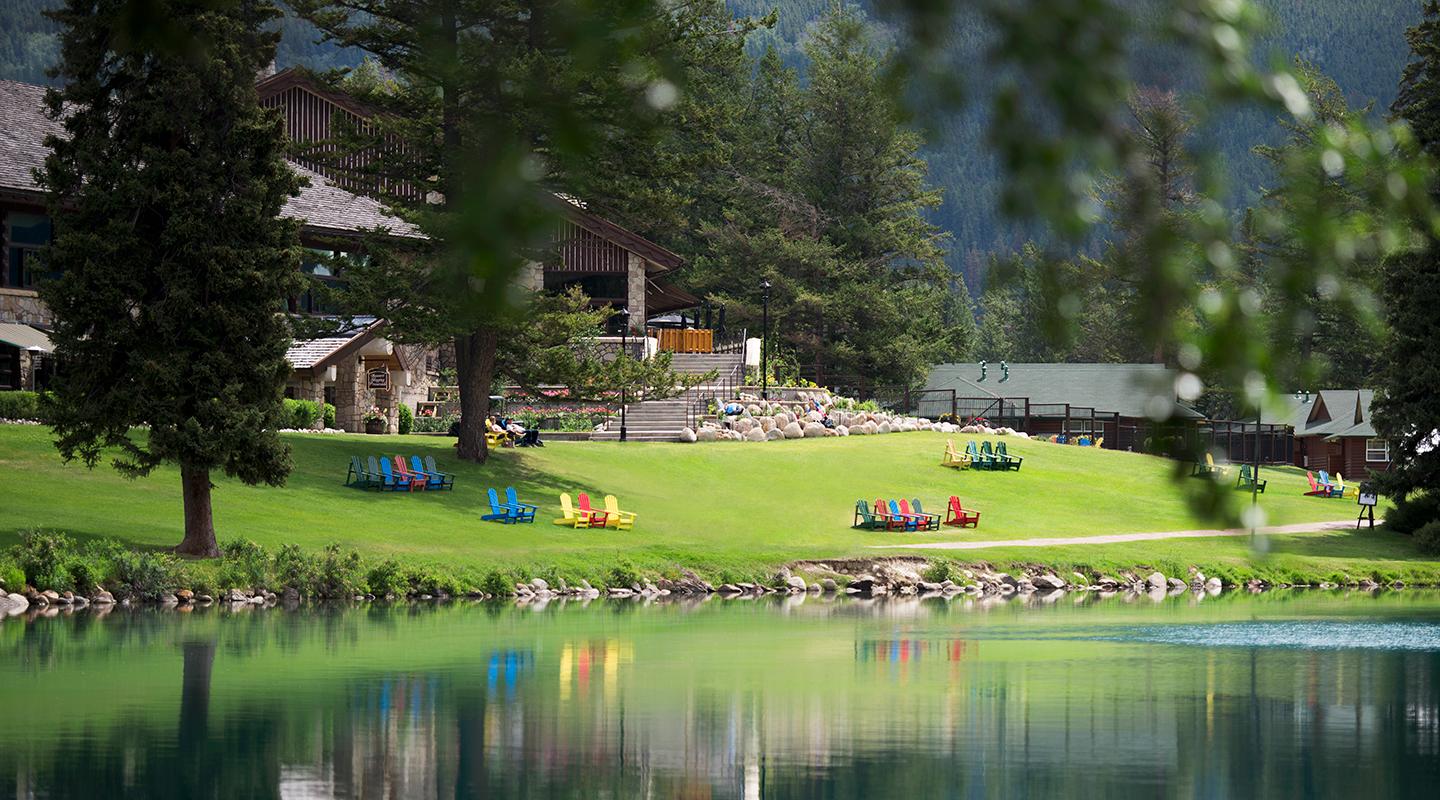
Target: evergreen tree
(166,197)
(492,101)
(1407,406)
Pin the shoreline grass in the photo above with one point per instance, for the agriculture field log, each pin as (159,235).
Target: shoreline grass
(725,510)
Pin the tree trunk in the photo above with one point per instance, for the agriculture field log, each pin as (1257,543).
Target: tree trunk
(475,368)
(199,524)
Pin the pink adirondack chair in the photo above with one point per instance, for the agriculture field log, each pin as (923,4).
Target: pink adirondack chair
(408,475)
(598,517)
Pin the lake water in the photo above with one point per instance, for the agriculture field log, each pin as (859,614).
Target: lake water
(1280,695)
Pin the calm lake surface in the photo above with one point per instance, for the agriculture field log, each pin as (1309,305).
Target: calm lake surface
(1280,695)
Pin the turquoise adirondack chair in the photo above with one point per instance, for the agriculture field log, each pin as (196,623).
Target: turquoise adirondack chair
(1005,460)
(524,512)
(447,479)
(499,512)
(978,461)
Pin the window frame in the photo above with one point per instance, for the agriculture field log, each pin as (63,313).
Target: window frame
(1383,449)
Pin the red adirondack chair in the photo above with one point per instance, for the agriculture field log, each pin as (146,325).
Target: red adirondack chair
(893,521)
(598,517)
(929,522)
(958,516)
(1317,489)
(409,476)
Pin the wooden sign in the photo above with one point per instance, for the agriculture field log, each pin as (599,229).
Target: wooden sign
(378,379)
(1368,498)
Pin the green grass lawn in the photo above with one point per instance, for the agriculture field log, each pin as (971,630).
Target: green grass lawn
(723,508)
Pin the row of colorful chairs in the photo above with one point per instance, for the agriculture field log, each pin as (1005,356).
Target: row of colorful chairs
(903,515)
(1324,487)
(386,476)
(583,515)
(981,458)
(511,510)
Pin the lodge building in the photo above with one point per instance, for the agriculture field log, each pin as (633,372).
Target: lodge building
(353,371)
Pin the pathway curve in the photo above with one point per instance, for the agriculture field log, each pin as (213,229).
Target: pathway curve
(1114,538)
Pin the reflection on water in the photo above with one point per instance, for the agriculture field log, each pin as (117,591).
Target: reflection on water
(1276,696)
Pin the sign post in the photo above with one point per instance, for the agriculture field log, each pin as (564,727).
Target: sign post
(1367,500)
(378,378)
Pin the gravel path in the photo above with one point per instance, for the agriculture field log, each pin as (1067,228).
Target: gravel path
(1114,538)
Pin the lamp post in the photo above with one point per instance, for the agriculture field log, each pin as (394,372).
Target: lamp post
(624,353)
(764,340)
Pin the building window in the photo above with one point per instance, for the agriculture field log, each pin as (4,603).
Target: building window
(28,239)
(1377,450)
(601,288)
(320,267)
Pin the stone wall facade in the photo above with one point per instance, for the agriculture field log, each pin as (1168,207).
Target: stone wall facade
(635,285)
(24,306)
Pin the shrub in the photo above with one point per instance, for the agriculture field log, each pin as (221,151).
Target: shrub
(86,574)
(19,405)
(339,573)
(386,578)
(1427,538)
(941,571)
(45,558)
(1410,514)
(329,415)
(12,578)
(245,565)
(295,570)
(498,584)
(623,574)
(407,419)
(301,414)
(144,575)
(433,424)
(427,581)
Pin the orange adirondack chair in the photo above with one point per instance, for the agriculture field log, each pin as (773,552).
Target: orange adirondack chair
(893,521)
(959,517)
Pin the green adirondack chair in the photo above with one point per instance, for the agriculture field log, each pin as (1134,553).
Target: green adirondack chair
(977,459)
(988,456)
(1247,481)
(359,477)
(1005,460)
(866,521)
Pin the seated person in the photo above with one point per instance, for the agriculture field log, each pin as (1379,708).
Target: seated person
(492,425)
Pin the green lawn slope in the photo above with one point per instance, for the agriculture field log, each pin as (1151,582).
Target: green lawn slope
(723,509)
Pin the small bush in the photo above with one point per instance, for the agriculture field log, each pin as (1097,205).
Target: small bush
(301,413)
(623,574)
(339,573)
(407,419)
(1412,513)
(296,570)
(45,558)
(144,575)
(433,424)
(427,581)
(12,578)
(941,571)
(245,565)
(386,578)
(498,584)
(329,415)
(19,405)
(86,574)
(1427,538)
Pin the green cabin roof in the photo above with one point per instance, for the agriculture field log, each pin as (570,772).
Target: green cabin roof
(1130,390)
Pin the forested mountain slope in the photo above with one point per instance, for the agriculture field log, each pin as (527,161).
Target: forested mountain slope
(1358,42)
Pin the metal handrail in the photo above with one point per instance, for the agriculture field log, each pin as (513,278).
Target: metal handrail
(724,387)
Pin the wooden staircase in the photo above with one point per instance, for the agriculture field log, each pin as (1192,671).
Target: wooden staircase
(663,420)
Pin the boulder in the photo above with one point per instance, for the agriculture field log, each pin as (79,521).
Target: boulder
(753,410)
(102,598)
(871,427)
(827,585)
(859,430)
(793,431)
(184,595)
(773,434)
(687,435)
(743,426)
(706,435)
(539,584)
(795,584)
(1156,581)
(767,424)
(841,430)
(1212,584)
(755,435)
(1047,582)
(13,603)
(813,429)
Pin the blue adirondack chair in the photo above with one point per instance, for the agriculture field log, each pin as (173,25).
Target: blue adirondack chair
(499,512)
(389,480)
(433,480)
(524,512)
(447,479)
(1331,490)
(910,521)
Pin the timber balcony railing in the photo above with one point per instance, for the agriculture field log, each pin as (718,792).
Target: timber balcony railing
(697,340)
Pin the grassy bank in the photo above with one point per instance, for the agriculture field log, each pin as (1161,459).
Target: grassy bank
(727,510)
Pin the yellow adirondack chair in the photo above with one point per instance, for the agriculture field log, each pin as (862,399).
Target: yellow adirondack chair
(1098,442)
(493,439)
(954,458)
(1346,490)
(1210,462)
(572,518)
(620,520)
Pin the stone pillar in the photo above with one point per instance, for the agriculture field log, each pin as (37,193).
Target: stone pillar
(532,277)
(350,396)
(636,293)
(313,389)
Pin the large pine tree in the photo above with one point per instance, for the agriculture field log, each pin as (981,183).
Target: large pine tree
(1407,405)
(166,196)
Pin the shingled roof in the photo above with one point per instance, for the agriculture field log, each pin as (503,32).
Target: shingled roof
(1124,389)
(1330,413)
(322,207)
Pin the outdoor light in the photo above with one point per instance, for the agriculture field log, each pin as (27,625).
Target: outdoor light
(624,351)
(765,340)
(1004,372)
(984,367)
